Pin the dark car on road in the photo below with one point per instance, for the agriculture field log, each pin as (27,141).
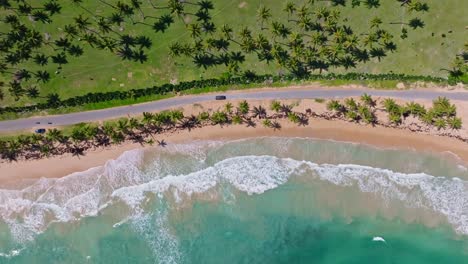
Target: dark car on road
(40,130)
(220,97)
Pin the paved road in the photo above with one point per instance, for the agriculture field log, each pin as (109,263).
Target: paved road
(88,116)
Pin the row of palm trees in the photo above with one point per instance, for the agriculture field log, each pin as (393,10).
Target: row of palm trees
(149,126)
(441,115)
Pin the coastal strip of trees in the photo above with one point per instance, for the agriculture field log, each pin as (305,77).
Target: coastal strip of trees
(441,117)
(54,101)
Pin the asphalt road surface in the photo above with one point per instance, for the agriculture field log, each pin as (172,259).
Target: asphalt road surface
(89,116)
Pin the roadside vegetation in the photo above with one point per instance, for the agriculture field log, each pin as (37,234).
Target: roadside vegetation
(150,128)
(100,100)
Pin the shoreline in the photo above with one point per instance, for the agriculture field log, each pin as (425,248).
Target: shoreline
(336,130)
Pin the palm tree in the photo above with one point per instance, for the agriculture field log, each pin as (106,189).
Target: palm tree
(351,104)
(243,108)
(391,106)
(376,22)
(415,109)
(443,108)
(440,123)
(194,30)
(418,6)
(428,117)
(219,117)
(189,122)
(54,135)
(280,30)
(123,126)
(367,100)
(263,15)
(455,123)
(290,8)
(352,116)
(237,119)
(267,123)
(228,108)
(366,114)
(334,105)
(275,106)
(395,118)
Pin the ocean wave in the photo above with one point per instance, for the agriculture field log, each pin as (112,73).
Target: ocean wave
(131,180)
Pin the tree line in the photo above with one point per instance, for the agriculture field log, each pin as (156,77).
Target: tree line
(249,77)
(147,128)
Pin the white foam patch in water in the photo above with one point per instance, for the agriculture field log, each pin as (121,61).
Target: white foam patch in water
(11,253)
(378,239)
(448,196)
(152,227)
(251,174)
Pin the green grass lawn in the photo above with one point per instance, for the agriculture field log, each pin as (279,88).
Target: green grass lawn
(423,53)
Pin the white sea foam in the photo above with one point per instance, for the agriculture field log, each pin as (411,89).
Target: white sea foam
(11,253)
(152,227)
(251,174)
(31,210)
(378,239)
(448,196)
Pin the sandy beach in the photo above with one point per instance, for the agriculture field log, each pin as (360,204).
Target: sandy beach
(319,129)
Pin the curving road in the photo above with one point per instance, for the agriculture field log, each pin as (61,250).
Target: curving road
(74,118)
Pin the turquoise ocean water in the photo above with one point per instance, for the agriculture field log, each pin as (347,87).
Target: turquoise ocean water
(264,200)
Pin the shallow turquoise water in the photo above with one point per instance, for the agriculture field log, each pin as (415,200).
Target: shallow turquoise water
(268,200)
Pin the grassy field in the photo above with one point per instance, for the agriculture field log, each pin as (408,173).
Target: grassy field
(423,53)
